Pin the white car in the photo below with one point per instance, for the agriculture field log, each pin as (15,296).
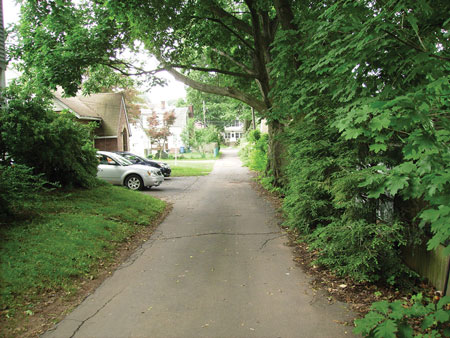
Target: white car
(116,169)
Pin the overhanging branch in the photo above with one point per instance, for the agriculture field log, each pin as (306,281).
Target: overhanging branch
(236,62)
(223,91)
(216,70)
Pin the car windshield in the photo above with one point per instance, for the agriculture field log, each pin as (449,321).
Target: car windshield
(121,160)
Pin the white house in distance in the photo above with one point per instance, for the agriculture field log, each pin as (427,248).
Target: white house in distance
(140,143)
(233,132)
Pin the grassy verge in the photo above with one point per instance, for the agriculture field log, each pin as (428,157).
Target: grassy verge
(74,234)
(190,168)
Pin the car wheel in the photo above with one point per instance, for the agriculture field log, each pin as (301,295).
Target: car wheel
(134,182)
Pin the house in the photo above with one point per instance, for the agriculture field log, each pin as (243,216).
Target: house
(140,142)
(174,141)
(233,132)
(107,110)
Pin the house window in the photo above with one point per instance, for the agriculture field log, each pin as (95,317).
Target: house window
(232,135)
(238,135)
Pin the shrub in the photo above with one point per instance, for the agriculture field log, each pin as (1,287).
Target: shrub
(55,145)
(253,153)
(18,187)
(419,316)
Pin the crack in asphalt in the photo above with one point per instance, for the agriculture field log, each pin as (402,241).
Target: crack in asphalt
(220,233)
(271,239)
(93,315)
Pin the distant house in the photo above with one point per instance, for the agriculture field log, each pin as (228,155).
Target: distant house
(181,117)
(233,132)
(141,144)
(108,110)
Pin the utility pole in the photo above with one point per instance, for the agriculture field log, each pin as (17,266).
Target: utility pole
(253,119)
(204,113)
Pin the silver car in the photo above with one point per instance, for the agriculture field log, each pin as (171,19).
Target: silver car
(116,169)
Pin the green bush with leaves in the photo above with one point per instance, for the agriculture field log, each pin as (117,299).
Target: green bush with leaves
(55,145)
(19,189)
(253,152)
(399,318)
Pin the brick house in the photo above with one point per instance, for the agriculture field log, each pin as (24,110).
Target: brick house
(108,110)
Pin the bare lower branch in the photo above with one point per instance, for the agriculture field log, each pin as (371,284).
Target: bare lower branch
(216,70)
(259,105)
(236,62)
(227,28)
(138,73)
(241,25)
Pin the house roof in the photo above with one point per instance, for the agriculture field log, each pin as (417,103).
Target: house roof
(106,107)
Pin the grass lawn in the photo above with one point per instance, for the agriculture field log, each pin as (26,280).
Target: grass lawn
(196,156)
(190,168)
(72,236)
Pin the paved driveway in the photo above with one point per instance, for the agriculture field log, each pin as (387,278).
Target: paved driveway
(216,267)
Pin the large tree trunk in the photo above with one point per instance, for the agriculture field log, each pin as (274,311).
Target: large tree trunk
(275,153)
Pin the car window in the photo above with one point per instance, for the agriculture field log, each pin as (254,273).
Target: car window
(131,158)
(103,159)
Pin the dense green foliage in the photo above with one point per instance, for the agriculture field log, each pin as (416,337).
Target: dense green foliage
(369,151)
(199,138)
(55,145)
(253,151)
(75,233)
(19,189)
(399,318)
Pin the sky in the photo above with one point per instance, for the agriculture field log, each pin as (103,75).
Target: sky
(173,91)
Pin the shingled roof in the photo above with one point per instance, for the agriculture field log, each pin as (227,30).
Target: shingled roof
(104,107)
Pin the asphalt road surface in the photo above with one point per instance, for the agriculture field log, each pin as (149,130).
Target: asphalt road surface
(216,267)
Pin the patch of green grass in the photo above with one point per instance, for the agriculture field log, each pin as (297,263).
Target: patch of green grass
(195,156)
(74,233)
(191,168)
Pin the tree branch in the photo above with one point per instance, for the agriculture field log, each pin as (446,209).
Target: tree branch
(215,70)
(410,44)
(139,73)
(260,106)
(241,25)
(236,62)
(227,28)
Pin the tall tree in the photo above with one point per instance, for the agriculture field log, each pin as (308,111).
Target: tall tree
(230,40)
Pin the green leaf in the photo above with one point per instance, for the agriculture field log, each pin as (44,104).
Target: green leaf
(427,322)
(442,316)
(405,168)
(397,183)
(379,122)
(353,133)
(405,331)
(443,301)
(382,307)
(378,147)
(413,22)
(386,329)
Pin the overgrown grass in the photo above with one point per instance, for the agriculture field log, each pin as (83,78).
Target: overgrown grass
(73,234)
(191,168)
